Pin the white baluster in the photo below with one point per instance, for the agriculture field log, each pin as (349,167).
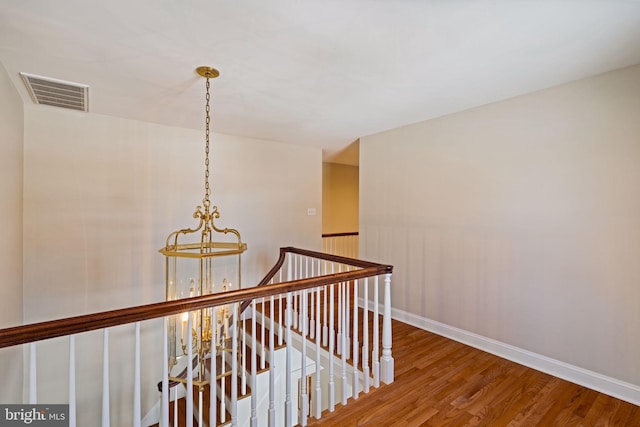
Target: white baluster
(287,403)
(340,304)
(175,405)
(315,332)
(307,315)
(347,324)
(200,409)
(280,311)
(365,336)
(136,380)
(295,315)
(105,378)
(243,348)
(325,327)
(386,363)
(272,380)
(189,402)
(234,367)
(312,321)
(354,353)
(354,246)
(165,376)
(318,393)
(262,328)
(295,324)
(344,346)
(304,404)
(72,381)
(213,391)
(223,382)
(332,336)
(254,367)
(33,391)
(301,319)
(375,357)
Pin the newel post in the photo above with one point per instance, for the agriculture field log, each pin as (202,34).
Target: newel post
(386,362)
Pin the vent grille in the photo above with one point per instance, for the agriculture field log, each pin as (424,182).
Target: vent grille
(58,93)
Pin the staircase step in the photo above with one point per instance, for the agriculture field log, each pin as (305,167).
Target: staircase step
(182,410)
(266,311)
(227,378)
(267,342)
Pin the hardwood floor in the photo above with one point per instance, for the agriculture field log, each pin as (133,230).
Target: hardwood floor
(440,382)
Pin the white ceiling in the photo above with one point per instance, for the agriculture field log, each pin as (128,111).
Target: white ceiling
(320,73)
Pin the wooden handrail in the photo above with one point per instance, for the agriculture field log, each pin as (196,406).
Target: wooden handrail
(348,233)
(267,278)
(74,325)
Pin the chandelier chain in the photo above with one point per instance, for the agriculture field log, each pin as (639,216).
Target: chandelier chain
(207,189)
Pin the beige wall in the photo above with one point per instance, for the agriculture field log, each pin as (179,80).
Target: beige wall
(518,221)
(11,134)
(339,198)
(101,195)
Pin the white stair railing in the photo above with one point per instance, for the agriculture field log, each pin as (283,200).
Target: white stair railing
(314,374)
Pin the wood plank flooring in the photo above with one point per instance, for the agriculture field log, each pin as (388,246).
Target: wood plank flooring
(440,382)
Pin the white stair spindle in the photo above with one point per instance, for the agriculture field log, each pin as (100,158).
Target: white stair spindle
(304,404)
(347,314)
(33,391)
(189,402)
(223,381)
(306,317)
(175,406)
(301,319)
(318,392)
(262,332)
(234,367)
(340,303)
(386,363)
(295,324)
(136,379)
(332,337)
(272,380)
(72,381)
(254,367)
(200,406)
(316,273)
(287,402)
(325,324)
(354,353)
(280,310)
(105,378)
(243,349)
(375,357)
(213,391)
(164,416)
(343,345)
(312,320)
(365,336)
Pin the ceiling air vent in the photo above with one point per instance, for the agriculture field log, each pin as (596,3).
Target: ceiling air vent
(48,91)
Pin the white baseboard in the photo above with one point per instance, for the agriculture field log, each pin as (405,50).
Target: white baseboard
(584,377)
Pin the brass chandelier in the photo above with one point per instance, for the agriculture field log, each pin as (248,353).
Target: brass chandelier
(200,261)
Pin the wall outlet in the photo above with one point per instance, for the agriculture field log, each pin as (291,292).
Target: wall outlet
(311,211)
